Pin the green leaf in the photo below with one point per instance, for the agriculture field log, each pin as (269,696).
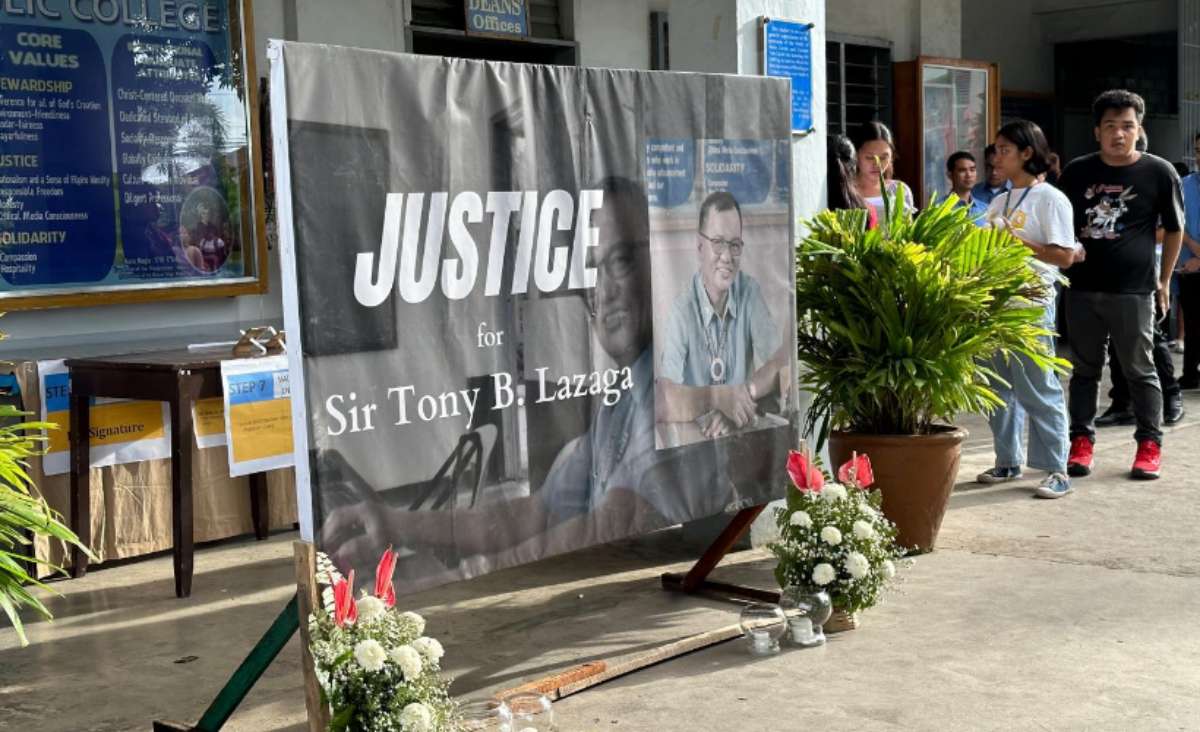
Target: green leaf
(341,720)
(894,324)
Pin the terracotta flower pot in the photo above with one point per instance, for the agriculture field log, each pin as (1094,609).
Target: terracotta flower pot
(915,473)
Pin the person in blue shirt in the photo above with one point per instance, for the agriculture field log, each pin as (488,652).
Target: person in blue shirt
(723,351)
(960,169)
(994,184)
(1189,275)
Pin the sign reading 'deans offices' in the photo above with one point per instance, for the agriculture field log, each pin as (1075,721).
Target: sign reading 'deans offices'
(123,133)
(499,17)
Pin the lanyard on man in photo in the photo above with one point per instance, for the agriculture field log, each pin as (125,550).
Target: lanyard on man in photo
(716,367)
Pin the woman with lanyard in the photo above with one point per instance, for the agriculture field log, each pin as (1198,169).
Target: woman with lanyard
(1040,216)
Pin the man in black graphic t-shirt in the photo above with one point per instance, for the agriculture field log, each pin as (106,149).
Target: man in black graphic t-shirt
(1119,196)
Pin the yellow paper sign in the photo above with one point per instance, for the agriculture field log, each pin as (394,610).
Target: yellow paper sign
(258,414)
(261,429)
(208,420)
(120,431)
(111,424)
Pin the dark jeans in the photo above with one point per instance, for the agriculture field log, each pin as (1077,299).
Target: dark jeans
(1093,318)
(1189,302)
(1119,394)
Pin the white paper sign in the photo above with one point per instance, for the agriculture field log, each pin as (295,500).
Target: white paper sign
(122,430)
(258,414)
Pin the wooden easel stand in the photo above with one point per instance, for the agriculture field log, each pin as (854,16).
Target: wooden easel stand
(696,581)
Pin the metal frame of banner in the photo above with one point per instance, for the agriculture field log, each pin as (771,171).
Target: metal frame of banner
(293,617)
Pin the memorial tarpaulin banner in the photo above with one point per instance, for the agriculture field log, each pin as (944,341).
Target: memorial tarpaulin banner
(529,308)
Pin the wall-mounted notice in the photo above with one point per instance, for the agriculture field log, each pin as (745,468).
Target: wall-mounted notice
(124,147)
(787,52)
(498,17)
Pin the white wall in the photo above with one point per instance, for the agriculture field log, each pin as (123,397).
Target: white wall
(704,36)
(615,33)
(808,153)
(940,30)
(897,21)
(377,24)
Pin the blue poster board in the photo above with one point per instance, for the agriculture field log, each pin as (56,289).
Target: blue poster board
(498,17)
(125,134)
(787,52)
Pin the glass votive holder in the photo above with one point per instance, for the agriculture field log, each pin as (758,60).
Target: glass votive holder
(485,715)
(807,610)
(531,712)
(763,624)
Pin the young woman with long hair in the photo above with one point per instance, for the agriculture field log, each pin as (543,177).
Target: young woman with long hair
(1040,216)
(876,153)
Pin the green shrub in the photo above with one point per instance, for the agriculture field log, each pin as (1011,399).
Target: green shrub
(896,325)
(22,511)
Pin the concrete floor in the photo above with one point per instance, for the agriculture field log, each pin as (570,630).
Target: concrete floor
(1072,614)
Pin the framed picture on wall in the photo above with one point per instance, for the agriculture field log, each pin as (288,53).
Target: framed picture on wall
(130,170)
(942,106)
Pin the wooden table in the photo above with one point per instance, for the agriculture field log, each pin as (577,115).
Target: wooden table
(178,377)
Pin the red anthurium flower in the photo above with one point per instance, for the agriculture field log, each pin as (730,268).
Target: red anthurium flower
(345,610)
(383,578)
(805,474)
(857,471)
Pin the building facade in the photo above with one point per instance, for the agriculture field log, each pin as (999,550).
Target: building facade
(1051,56)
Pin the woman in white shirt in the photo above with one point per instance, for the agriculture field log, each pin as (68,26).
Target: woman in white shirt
(1040,216)
(876,154)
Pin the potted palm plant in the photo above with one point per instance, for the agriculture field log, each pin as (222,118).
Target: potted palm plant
(895,327)
(23,513)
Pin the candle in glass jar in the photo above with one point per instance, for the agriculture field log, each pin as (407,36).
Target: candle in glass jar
(802,630)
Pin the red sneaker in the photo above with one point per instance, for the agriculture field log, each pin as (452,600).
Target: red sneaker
(1147,461)
(1080,462)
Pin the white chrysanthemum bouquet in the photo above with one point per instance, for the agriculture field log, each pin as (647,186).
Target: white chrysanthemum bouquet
(833,536)
(377,669)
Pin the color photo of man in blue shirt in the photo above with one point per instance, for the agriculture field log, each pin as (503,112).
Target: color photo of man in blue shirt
(723,351)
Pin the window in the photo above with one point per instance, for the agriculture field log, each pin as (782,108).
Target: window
(1146,64)
(439,27)
(858,82)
